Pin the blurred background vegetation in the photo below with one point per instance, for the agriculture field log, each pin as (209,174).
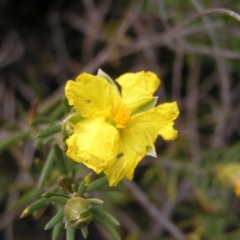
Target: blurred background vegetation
(190,190)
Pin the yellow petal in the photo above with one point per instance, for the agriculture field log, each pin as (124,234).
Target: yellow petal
(167,113)
(132,148)
(138,88)
(160,118)
(140,135)
(94,143)
(125,162)
(91,96)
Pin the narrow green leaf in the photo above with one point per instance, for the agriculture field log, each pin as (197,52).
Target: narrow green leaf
(15,137)
(56,219)
(81,189)
(56,230)
(43,202)
(57,112)
(60,200)
(97,184)
(38,213)
(40,120)
(32,193)
(111,230)
(94,201)
(38,164)
(74,187)
(60,160)
(83,185)
(84,231)
(54,194)
(50,131)
(107,216)
(70,233)
(47,168)
(43,141)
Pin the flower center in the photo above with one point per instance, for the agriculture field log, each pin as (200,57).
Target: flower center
(121,116)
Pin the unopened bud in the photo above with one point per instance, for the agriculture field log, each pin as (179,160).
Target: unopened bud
(77,212)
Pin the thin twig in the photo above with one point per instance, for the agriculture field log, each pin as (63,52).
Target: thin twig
(11,50)
(191,102)
(153,211)
(59,44)
(219,138)
(106,54)
(173,32)
(189,48)
(93,21)
(179,54)
(177,73)
(102,57)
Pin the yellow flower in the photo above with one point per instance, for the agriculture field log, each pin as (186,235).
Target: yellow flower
(116,129)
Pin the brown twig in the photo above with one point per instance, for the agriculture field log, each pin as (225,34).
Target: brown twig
(224,79)
(191,103)
(63,59)
(173,32)
(153,211)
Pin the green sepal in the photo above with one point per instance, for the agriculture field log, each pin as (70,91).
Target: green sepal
(43,202)
(151,151)
(105,76)
(108,217)
(74,118)
(84,231)
(147,106)
(55,220)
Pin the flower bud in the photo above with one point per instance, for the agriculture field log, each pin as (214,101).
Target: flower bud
(77,212)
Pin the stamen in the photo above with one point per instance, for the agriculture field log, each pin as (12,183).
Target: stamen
(121,116)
